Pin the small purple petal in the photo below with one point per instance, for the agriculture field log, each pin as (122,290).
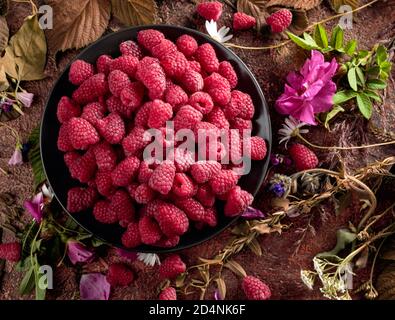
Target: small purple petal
(252,213)
(17,157)
(35,207)
(25,98)
(217,295)
(131,256)
(94,286)
(78,253)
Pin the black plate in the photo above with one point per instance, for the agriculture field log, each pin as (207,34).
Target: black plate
(57,172)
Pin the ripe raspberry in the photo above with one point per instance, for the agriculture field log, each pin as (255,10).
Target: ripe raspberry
(187,45)
(112,128)
(234,146)
(192,80)
(201,101)
(131,97)
(237,202)
(149,38)
(119,275)
(93,112)
(104,184)
(207,58)
(303,157)
(165,242)
(145,172)
(91,89)
(151,74)
(160,112)
(103,64)
(103,214)
(131,48)
(141,118)
(186,118)
(84,167)
(176,96)
(223,181)
(114,104)
(82,133)
(205,195)
(163,49)
(192,208)
(134,142)
(70,157)
(149,230)
(226,70)
(125,171)
(202,171)
(210,10)
(240,105)
(183,186)
(10,251)
(206,130)
(131,237)
(195,66)
(132,189)
(171,267)
(242,21)
(279,20)
(183,159)
(257,148)
(121,204)
(106,158)
(80,199)
(168,294)
(64,143)
(144,194)
(255,289)
(117,81)
(152,207)
(67,109)
(126,64)
(218,88)
(162,178)
(80,71)
(172,221)
(211,217)
(174,64)
(240,124)
(217,118)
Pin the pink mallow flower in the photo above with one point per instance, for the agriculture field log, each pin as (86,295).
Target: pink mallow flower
(78,253)
(35,206)
(16,157)
(310,90)
(26,98)
(94,286)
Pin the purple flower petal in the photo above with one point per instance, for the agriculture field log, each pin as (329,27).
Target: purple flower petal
(35,207)
(131,256)
(78,253)
(217,295)
(94,286)
(25,98)
(16,157)
(252,213)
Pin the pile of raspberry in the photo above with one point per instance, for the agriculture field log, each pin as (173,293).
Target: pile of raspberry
(102,125)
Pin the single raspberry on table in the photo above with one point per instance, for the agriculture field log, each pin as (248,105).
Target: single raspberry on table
(151,74)
(257,147)
(279,20)
(160,112)
(172,220)
(103,64)
(106,157)
(150,232)
(134,142)
(80,199)
(210,10)
(144,194)
(67,109)
(205,195)
(223,181)
(187,45)
(203,171)
(192,208)
(112,128)
(186,118)
(84,167)
(149,38)
(164,48)
(171,267)
(119,275)
(168,294)
(131,237)
(242,21)
(201,101)
(237,202)
(131,48)
(125,171)
(176,96)
(183,186)
(217,117)
(207,58)
(255,289)
(174,64)
(303,157)
(82,133)
(122,205)
(117,81)
(91,89)
(104,183)
(64,143)
(10,251)
(80,70)
(126,64)
(162,178)
(93,112)
(103,214)
(226,70)
(192,81)
(218,87)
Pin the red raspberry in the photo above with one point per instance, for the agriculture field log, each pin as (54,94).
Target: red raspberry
(160,112)
(70,157)
(82,133)
(162,178)
(168,294)
(201,101)
(279,20)
(80,199)
(226,70)
(255,289)
(92,88)
(151,74)
(106,158)
(223,181)
(64,143)
(172,220)
(207,58)
(142,114)
(183,159)
(211,217)
(80,71)
(149,230)
(144,194)
(114,104)
(131,97)
(103,214)
(10,251)
(134,142)
(171,267)
(67,109)
(163,49)
(132,189)
(217,118)
(240,105)
(121,204)
(103,64)
(183,186)
(210,10)
(192,208)
(176,96)
(257,148)
(131,48)
(117,81)
(125,171)
(131,237)
(206,131)
(214,150)
(112,128)
(174,64)
(237,202)
(234,146)
(218,88)
(126,64)
(168,242)
(186,118)
(192,80)
(205,195)
(93,112)
(303,157)
(84,167)
(187,45)
(152,207)
(202,171)
(195,66)
(104,184)
(145,172)
(119,275)
(240,124)
(149,38)
(242,21)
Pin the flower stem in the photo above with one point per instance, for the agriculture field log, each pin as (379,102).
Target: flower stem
(3,171)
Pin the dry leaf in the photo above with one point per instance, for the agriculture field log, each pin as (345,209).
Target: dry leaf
(236,268)
(4,34)
(25,56)
(282,203)
(255,247)
(265,229)
(210,261)
(134,12)
(255,8)
(336,4)
(3,7)
(300,22)
(296,4)
(385,284)
(3,79)
(77,23)
(221,287)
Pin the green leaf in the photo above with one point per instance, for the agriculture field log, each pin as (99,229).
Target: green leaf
(361,76)
(364,105)
(337,38)
(343,96)
(27,284)
(344,237)
(386,66)
(303,43)
(381,55)
(35,158)
(373,95)
(376,84)
(320,36)
(350,47)
(352,79)
(331,114)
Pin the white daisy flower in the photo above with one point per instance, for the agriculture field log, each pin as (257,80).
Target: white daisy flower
(218,35)
(290,128)
(150,259)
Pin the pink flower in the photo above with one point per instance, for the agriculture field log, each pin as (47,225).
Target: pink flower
(25,98)
(16,158)
(35,207)
(252,213)
(94,286)
(310,90)
(78,253)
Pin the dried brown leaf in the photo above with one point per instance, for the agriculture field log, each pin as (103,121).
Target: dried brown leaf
(255,247)
(265,229)
(210,261)
(385,284)
(77,23)
(3,79)
(134,12)
(221,287)
(281,203)
(336,4)
(296,4)
(236,268)
(300,22)
(4,34)
(4,7)
(255,8)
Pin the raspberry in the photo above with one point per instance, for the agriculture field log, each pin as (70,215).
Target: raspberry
(70,157)
(174,64)
(226,70)
(183,186)
(211,217)
(192,80)
(303,157)
(131,96)
(240,105)
(125,171)
(171,267)
(218,88)
(134,142)
(210,10)
(217,118)
(201,101)
(172,221)
(103,64)
(10,251)
(82,133)
(164,48)
(195,66)
(67,109)
(234,146)
(242,21)
(279,20)
(80,199)
(151,74)
(126,64)
(192,208)
(255,289)
(205,195)
(175,95)
(152,207)
(142,114)
(223,181)
(237,202)
(186,118)
(187,45)
(119,275)
(80,71)
(257,148)
(149,230)
(131,237)
(104,184)
(103,214)
(149,38)
(206,131)
(91,89)
(112,128)
(168,294)
(207,58)
(117,81)
(106,158)
(93,112)
(145,172)
(202,171)
(165,242)
(121,204)
(240,124)
(183,159)
(114,104)
(131,48)
(144,194)
(162,178)
(160,112)
(84,167)
(132,189)
(64,143)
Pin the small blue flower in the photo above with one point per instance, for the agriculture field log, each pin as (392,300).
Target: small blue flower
(278,189)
